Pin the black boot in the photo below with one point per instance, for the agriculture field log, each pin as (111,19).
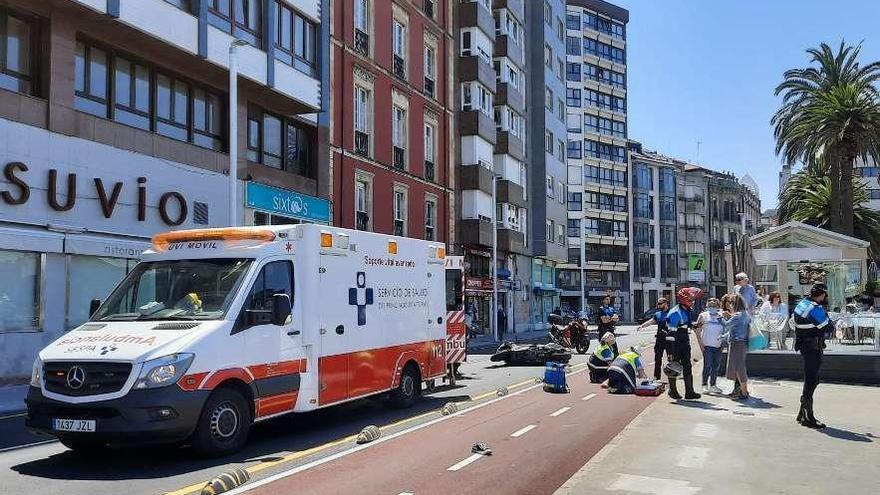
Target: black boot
(811,421)
(802,415)
(673,392)
(689,393)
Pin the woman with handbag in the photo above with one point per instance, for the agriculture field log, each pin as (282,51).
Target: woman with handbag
(736,327)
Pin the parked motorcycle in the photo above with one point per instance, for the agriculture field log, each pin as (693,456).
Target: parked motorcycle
(530,354)
(569,333)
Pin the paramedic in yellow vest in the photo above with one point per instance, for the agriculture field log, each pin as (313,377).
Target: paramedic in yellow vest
(601,359)
(624,372)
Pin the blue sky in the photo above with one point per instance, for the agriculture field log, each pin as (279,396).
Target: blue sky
(705,70)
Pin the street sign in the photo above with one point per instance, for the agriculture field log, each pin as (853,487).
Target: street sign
(696,267)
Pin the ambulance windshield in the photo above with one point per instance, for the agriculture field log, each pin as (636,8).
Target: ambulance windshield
(199,289)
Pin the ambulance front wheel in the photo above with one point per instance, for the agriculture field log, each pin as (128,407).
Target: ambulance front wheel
(409,389)
(223,425)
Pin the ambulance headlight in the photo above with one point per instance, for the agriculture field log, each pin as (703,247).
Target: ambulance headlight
(37,373)
(163,371)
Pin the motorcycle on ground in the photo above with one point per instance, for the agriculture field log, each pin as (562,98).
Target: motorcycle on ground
(571,333)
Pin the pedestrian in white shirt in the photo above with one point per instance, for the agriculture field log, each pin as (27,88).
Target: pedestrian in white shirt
(710,328)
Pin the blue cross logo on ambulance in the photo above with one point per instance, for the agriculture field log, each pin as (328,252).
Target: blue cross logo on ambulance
(361,296)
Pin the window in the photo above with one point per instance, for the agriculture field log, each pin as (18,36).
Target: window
(548,56)
(147,99)
(362,27)
(560,109)
(548,99)
(591,226)
(604,76)
(181,4)
(363,110)
(430,219)
(604,50)
(275,278)
(560,69)
(644,204)
(646,265)
(548,13)
(430,8)
(574,149)
(643,177)
(240,18)
(668,266)
(574,227)
(573,72)
(363,198)
(430,140)
(604,151)
(574,258)
(560,235)
(281,143)
(91,277)
(560,30)
(399,212)
(573,97)
(398,35)
(398,126)
(667,208)
(16,42)
(573,46)
(667,237)
(294,38)
(560,190)
(20,308)
(548,141)
(475,96)
(573,21)
(550,187)
(551,227)
(430,67)
(575,201)
(560,153)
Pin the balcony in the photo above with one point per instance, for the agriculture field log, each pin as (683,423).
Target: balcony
(476,123)
(508,144)
(511,241)
(362,144)
(429,170)
(361,42)
(473,14)
(510,96)
(505,47)
(399,68)
(516,7)
(399,158)
(510,192)
(474,68)
(475,232)
(429,87)
(475,177)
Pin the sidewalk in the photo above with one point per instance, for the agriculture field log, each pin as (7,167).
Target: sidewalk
(12,399)
(718,446)
(482,345)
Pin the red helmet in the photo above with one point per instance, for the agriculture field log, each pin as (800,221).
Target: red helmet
(688,295)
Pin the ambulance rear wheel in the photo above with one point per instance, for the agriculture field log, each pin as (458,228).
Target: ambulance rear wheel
(409,389)
(223,425)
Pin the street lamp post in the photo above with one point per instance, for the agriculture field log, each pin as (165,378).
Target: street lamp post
(494,318)
(582,266)
(233,130)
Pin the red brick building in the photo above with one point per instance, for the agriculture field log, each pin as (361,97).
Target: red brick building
(391,117)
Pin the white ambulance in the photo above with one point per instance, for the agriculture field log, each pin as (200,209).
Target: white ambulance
(218,328)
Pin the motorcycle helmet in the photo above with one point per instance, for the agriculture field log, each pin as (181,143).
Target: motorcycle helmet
(672,370)
(687,295)
(608,338)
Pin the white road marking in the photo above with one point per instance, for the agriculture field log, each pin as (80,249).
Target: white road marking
(523,431)
(406,493)
(24,446)
(344,453)
(705,430)
(465,462)
(652,486)
(692,457)
(589,397)
(560,411)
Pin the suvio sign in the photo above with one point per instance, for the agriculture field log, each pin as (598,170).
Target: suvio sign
(287,203)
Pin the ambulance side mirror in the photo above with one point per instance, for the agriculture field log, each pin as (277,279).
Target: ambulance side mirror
(93,307)
(281,308)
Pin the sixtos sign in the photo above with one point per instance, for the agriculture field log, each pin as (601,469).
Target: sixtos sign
(172,205)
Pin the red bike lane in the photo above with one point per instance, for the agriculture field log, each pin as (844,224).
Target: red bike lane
(538,439)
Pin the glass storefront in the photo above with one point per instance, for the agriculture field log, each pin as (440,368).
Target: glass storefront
(91,277)
(477,314)
(20,291)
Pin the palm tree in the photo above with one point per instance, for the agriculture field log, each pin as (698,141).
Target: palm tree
(808,198)
(831,111)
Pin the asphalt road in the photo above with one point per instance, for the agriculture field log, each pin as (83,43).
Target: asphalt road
(274,447)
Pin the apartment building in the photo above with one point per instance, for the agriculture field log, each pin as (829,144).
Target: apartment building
(392,117)
(596,151)
(115,122)
(545,89)
(655,220)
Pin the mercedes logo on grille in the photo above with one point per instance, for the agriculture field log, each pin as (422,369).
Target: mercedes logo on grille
(76,377)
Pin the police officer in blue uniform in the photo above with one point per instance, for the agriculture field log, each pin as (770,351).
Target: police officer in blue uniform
(811,322)
(608,319)
(659,319)
(678,322)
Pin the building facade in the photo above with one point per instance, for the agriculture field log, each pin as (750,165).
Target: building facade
(115,119)
(391,117)
(654,211)
(491,104)
(545,89)
(596,151)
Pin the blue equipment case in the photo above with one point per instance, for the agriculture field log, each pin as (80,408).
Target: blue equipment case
(554,378)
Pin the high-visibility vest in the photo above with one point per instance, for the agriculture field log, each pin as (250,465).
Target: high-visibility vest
(601,349)
(631,358)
